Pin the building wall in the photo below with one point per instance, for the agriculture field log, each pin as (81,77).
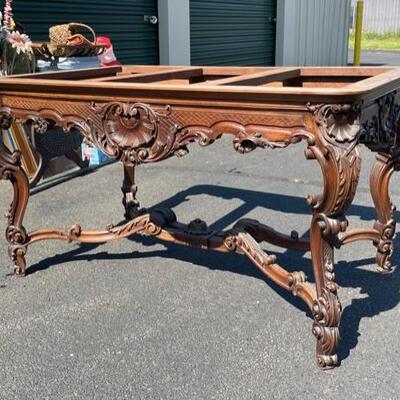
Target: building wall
(308,32)
(174,32)
(380,16)
(312,32)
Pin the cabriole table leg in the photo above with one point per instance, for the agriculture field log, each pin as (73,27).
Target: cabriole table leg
(340,162)
(327,309)
(385,224)
(10,169)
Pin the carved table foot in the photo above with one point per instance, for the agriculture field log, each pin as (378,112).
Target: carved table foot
(327,312)
(17,254)
(385,224)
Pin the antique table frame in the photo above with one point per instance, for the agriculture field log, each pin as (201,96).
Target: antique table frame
(143,114)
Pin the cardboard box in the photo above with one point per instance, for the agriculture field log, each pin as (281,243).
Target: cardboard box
(95,156)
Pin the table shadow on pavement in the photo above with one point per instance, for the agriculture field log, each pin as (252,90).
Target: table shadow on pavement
(348,274)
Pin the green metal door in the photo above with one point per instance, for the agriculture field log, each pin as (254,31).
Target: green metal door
(232,32)
(135,40)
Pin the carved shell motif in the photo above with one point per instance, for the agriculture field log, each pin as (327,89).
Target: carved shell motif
(339,121)
(127,126)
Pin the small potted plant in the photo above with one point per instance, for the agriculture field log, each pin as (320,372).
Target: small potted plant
(17,56)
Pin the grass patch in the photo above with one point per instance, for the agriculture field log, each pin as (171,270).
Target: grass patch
(376,41)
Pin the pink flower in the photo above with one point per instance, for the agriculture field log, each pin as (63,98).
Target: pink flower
(20,42)
(8,14)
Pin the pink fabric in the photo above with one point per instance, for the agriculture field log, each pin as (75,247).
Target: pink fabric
(107,58)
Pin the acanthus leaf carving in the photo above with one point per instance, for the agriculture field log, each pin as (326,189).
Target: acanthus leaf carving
(244,243)
(336,149)
(149,223)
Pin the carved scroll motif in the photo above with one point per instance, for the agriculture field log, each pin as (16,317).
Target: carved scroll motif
(385,225)
(336,149)
(385,244)
(295,281)
(335,146)
(327,312)
(240,239)
(246,142)
(142,133)
(11,169)
(150,224)
(329,228)
(245,243)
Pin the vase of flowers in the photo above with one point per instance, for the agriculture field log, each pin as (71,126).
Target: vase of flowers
(17,56)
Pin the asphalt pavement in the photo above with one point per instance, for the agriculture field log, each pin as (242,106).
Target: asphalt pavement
(377,58)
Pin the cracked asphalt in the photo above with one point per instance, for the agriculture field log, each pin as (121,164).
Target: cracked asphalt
(141,319)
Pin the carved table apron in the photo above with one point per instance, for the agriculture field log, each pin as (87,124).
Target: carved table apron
(144,127)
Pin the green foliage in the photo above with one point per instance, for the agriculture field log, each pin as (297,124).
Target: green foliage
(377,41)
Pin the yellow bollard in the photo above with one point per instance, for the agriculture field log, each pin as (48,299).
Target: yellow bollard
(358,32)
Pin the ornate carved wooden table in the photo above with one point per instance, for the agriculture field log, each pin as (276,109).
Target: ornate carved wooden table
(142,114)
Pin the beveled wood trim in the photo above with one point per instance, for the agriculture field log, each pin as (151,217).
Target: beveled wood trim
(187,94)
(343,71)
(378,85)
(255,96)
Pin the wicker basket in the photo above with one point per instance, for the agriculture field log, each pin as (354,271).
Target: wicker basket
(45,51)
(66,41)
(67,35)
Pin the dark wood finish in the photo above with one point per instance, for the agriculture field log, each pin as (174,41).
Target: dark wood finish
(178,73)
(140,123)
(257,78)
(77,74)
